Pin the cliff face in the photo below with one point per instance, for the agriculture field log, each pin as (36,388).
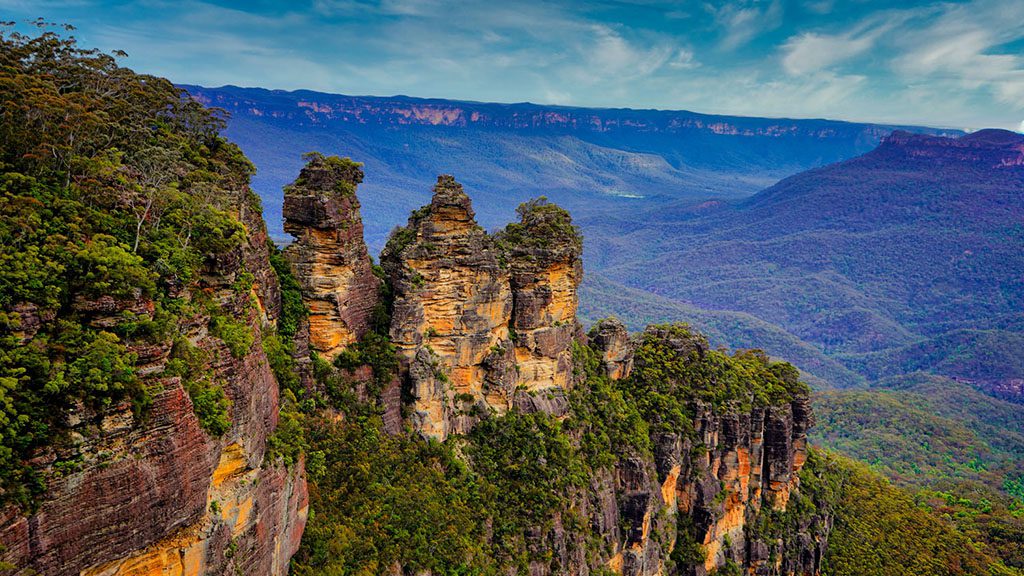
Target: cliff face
(484,324)
(481,324)
(707,496)
(450,318)
(329,257)
(543,252)
(158,494)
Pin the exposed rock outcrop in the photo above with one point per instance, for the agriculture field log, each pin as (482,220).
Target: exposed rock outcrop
(719,481)
(450,318)
(483,323)
(159,495)
(329,257)
(611,339)
(543,252)
(486,323)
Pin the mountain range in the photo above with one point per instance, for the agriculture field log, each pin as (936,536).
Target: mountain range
(827,243)
(591,161)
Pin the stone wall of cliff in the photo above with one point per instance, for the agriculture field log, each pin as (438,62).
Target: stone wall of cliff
(482,323)
(329,257)
(155,493)
(715,491)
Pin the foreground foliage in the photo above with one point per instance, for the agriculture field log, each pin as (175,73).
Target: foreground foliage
(880,531)
(114,190)
(477,504)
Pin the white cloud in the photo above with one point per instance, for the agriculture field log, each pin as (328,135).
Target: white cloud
(964,44)
(608,55)
(820,6)
(744,21)
(684,60)
(811,51)
(1021,128)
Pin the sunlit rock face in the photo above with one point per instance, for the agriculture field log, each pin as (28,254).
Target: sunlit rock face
(482,323)
(714,484)
(544,256)
(450,318)
(329,257)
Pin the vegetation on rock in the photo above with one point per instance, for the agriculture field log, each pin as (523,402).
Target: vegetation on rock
(115,188)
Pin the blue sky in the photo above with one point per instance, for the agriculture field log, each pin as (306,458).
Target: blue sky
(955,64)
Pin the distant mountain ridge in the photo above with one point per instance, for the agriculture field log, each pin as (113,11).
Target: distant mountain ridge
(592,161)
(321,107)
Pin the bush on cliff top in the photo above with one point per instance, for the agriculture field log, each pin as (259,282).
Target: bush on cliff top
(114,189)
(674,369)
(541,225)
(340,175)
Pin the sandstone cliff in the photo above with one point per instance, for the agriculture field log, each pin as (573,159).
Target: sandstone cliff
(543,252)
(717,488)
(156,493)
(482,323)
(485,326)
(329,257)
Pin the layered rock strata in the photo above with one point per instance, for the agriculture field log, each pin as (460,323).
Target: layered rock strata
(543,252)
(329,257)
(482,323)
(159,495)
(450,317)
(712,488)
(611,338)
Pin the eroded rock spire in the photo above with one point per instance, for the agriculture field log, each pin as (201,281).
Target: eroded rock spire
(329,255)
(483,323)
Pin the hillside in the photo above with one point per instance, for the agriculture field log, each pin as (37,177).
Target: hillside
(960,451)
(139,410)
(592,161)
(906,258)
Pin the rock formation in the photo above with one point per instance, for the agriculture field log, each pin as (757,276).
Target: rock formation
(329,257)
(611,338)
(482,323)
(710,490)
(543,252)
(160,495)
(451,311)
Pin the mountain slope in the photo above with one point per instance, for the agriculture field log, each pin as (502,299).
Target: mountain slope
(905,258)
(959,450)
(592,161)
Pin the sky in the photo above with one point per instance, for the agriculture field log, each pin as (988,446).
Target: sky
(947,64)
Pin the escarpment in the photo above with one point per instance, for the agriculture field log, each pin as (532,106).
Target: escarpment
(329,257)
(726,458)
(140,333)
(481,323)
(164,490)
